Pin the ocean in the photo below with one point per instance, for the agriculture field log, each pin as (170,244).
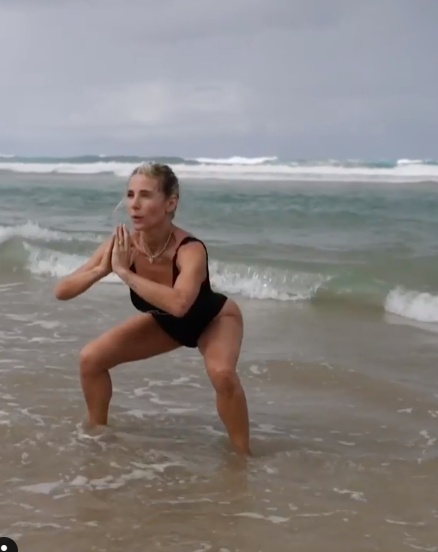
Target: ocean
(335,267)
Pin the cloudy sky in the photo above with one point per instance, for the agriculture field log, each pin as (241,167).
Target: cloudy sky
(295,78)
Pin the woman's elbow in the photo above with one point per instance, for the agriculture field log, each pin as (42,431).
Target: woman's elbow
(60,291)
(179,311)
(181,306)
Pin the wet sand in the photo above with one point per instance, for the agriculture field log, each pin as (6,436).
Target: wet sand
(344,414)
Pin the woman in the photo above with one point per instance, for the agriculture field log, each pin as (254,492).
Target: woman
(166,270)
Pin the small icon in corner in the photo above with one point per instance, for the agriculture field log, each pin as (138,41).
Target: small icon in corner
(8,545)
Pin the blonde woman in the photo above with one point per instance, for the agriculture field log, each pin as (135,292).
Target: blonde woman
(166,270)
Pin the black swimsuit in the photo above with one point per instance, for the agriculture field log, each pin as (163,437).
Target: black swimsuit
(188,328)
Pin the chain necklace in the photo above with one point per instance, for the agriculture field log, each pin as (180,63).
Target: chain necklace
(152,256)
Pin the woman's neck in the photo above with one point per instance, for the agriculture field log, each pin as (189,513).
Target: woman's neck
(156,238)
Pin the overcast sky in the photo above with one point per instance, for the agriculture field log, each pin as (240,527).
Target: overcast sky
(295,78)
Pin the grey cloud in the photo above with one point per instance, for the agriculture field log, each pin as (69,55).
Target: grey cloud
(333,78)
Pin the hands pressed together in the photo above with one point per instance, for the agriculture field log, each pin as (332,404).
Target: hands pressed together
(118,254)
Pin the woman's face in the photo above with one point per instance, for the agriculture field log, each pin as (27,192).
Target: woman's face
(146,204)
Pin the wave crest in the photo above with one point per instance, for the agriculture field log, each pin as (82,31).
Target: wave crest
(236,168)
(414,305)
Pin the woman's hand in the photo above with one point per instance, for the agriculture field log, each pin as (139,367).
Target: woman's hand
(122,252)
(105,266)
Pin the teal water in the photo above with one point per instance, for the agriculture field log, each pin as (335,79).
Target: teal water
(365,245)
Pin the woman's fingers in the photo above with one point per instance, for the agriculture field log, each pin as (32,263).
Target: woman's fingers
(122,237)
(119,235)
(125,234)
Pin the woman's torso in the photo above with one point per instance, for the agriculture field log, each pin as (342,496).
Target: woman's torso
(164,270)
(161,270)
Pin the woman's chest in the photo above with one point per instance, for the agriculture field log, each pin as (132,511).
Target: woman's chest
(159,271)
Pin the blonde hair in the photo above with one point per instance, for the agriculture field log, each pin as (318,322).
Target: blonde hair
(167,180)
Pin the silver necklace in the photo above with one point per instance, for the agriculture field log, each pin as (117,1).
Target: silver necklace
(152,256)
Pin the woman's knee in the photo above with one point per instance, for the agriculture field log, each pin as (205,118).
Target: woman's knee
(92,361)
(223,378)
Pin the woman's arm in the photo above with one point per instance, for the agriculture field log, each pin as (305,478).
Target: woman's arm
(176,300)
(80,280)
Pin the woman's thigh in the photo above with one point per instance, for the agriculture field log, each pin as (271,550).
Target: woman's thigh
(221,342)
(137,338)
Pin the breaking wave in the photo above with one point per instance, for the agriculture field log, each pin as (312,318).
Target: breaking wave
(41,252)
(234,168)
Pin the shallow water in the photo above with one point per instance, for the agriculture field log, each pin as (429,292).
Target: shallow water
(345,450)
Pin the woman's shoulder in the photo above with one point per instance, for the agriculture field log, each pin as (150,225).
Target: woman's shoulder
(183,237)
(188,246)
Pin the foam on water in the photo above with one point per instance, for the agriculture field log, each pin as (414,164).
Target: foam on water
(236,160)
(34,231)
(240,168)
(414,305)
(252,282)
(42,488)
(30,230)
(255,282)
(269,518)
(265,283)
(53,263)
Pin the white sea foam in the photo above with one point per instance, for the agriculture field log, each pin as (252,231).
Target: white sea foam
(254,515)
(42,488)
(46,262)
(256,282)
(244,169)
(31,230)
(414,305)
(235,160)
(265,283)
(252,282)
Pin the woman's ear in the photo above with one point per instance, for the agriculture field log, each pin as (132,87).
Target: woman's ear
(172,205)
